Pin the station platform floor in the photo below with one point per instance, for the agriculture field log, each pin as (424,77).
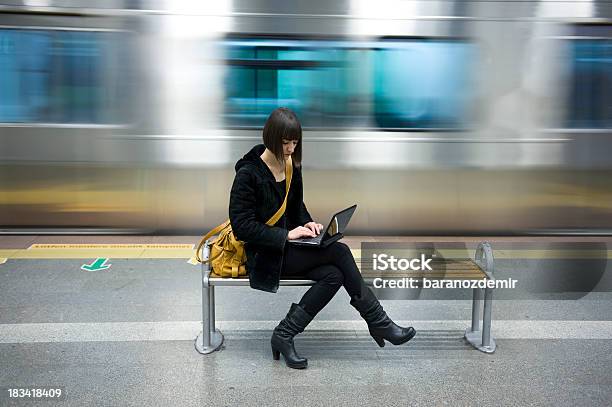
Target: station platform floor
(112,321)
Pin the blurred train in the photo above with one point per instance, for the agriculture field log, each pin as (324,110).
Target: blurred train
(435,117)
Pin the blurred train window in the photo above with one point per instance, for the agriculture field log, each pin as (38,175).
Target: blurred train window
(390,84)
(320,80)
(62,76)
(590,98)
(423,83)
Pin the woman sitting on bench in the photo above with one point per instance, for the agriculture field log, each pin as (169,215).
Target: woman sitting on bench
(257,193)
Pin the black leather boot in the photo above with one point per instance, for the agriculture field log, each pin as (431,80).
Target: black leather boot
(380,325)
(282,338)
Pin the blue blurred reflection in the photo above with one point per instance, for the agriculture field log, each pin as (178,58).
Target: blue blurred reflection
(423,83)
(60,76)
(590,101)
(388,84)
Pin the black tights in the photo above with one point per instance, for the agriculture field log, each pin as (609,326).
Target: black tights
(331,267)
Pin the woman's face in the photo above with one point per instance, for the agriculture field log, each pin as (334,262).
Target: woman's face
(288,147)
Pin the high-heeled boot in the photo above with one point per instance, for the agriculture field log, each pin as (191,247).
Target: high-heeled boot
(381,327)
(282,338)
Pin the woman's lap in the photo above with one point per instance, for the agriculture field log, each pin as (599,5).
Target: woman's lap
(299,260)
(319,263)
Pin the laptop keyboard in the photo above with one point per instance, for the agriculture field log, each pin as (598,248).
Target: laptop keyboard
(309,239)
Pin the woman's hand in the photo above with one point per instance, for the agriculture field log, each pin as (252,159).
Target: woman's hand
(299,232)
(314,226)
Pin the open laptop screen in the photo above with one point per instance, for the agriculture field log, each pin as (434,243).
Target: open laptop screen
(341,220)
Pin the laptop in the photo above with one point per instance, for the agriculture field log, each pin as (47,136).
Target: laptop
(333,233)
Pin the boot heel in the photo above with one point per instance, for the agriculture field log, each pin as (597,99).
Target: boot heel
(282,337)
(380,341)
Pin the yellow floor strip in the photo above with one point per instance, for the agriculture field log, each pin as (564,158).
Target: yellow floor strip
(113,246)
(523,254)
(7,253)
(116,251)
(552,254)
(186,251)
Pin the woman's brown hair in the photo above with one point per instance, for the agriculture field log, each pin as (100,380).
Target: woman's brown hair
(283,124)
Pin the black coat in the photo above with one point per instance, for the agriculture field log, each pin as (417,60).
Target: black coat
(253,200)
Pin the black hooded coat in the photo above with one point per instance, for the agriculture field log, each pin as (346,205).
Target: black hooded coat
(253,200)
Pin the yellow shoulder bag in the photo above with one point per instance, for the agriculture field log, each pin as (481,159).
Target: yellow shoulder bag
(227,256)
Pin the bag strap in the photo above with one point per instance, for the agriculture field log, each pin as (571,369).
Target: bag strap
(208,236)
(281,210)
(270,222)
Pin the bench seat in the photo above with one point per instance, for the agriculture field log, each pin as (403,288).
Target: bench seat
(453,269)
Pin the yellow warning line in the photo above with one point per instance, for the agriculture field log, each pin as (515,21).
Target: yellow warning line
(186,251)
(112,246)
(523,254)
(526,254)
(117,251)
(7,253)
(552,254)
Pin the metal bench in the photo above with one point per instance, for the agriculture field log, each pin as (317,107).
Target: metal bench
(481,267)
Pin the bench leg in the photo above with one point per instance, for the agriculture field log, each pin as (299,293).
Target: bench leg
(481,340)
(210,339)
(211,309)
(488,343)
(476,295)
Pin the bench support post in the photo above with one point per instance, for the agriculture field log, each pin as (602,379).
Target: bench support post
(476,295)
(482,340)
(486,320)
(210,339)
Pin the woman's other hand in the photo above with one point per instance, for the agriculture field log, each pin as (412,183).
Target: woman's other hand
(314,226)
(299,232)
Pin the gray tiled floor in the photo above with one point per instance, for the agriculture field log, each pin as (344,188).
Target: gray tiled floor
(354,372)
(345,367)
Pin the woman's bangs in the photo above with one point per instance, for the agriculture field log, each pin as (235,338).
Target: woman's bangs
(293,132)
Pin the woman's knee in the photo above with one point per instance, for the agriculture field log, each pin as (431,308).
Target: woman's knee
(333,276)
(340,248)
